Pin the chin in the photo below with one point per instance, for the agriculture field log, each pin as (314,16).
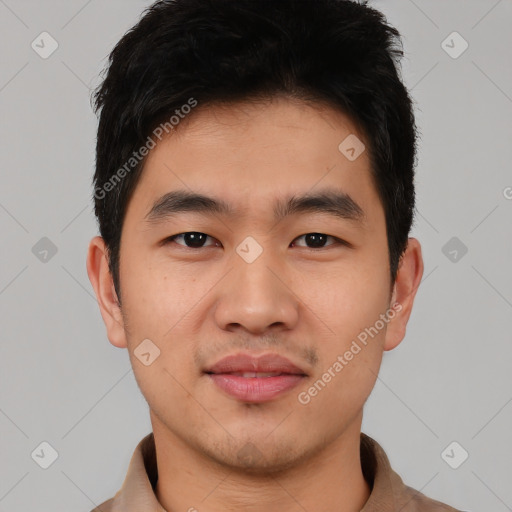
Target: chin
(257,455)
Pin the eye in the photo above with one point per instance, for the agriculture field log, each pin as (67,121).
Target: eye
(317,240)
(192,239)
(196,240)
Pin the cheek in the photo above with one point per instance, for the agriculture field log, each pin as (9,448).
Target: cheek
(347,298)
(350,305)
(155,296)
(170,377)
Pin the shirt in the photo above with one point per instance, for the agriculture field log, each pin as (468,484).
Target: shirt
(388,492)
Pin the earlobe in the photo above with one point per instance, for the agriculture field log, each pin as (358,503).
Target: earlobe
(102,282)
(406,285)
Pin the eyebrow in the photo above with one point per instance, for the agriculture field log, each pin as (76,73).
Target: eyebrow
(327,201)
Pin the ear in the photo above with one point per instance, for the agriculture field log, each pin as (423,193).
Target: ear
(103,284)
(408,279)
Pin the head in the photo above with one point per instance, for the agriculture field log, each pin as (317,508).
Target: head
(281,138)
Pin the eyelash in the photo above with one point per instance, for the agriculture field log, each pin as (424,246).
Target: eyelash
(337,241)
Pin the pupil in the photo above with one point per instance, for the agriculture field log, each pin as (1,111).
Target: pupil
(194,238)
(316,239)
(197,239)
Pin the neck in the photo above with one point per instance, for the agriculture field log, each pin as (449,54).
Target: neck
(330,479)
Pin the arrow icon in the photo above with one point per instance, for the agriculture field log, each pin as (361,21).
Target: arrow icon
(454,45)
(147,352)
(351,147)
(249,249)
(44,45)
(44,455)
(454,249)
(44,250)
(454,455)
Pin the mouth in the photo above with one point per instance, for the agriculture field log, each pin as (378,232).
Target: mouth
(250,379)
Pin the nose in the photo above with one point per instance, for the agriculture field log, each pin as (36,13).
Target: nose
(257,297)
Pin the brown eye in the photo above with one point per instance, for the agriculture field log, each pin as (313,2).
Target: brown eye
(317,240)
(191,239)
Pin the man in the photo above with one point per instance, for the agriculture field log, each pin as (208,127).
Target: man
(254,190)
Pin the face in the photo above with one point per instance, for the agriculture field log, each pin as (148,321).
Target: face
(305,284)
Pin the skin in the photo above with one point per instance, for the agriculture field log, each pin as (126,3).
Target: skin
(199,305)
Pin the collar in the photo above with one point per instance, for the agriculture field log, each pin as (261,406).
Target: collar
(388,492)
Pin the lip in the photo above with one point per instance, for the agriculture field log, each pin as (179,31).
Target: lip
(255,389)
(247,363)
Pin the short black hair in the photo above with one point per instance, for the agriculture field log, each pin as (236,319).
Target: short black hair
(184,53)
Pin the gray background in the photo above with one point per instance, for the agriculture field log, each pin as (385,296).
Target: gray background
(62,382)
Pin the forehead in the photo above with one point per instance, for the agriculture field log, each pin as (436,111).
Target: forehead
(250,155)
